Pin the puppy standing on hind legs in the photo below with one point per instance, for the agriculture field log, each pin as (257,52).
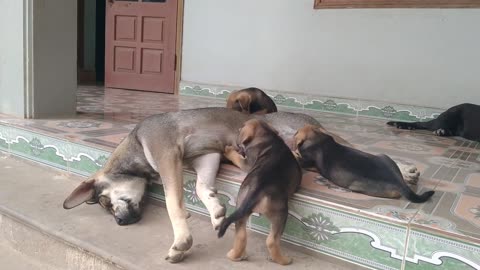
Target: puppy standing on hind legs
(273,176)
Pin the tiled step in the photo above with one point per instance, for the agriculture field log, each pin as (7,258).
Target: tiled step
(36,229)
(379,239)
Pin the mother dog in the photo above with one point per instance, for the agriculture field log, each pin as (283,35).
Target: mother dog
(160,146)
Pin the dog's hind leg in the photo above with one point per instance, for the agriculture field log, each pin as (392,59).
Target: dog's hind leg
(410,172)
(278,219)
(171,173)
(206,167)
(237,253)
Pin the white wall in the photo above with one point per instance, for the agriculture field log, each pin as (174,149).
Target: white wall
(11,58)
(415,56)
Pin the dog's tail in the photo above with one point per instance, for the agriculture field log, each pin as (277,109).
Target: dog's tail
(410,125)
(405,190)
(413,197)
(244,209)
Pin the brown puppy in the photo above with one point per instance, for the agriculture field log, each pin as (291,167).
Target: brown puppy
(374,175)
(273,176)
(251,100)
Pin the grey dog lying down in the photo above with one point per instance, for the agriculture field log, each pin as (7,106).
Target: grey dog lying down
(160,146)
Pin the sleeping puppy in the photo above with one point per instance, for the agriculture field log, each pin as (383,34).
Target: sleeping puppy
(273,176)
(373,175)
(251,101)
(461,120)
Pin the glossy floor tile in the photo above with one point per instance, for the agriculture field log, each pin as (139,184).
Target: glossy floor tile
(451,166)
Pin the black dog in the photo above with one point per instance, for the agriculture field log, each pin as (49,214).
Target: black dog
(373,175)
(461,120)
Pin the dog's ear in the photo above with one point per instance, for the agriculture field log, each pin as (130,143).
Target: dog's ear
(84,192)
(246,134)
(244,100)
(299,139)
(231,100)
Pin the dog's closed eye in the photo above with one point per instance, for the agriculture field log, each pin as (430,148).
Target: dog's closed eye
(105,202)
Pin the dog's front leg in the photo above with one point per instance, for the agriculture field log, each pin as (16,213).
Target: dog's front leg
(171,173)
(206,167)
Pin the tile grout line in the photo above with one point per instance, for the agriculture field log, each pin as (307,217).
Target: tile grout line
(407,242)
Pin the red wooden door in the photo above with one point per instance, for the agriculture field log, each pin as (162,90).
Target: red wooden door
(140,44)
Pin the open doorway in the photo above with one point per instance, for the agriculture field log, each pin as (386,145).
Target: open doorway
(130,44)
(91,42)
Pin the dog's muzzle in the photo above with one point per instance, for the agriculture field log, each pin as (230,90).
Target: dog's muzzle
(127,219)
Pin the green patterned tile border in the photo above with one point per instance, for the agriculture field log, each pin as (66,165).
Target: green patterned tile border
(51,151)
(341,234)
(333,105)
(354,237)
(348,106)
(432,251)
(3,144)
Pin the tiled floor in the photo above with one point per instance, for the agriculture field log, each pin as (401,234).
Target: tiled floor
(451,166)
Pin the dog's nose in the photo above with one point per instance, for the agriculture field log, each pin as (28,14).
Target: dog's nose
(120,221)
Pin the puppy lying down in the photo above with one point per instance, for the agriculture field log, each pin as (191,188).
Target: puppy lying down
(251,101)
(373,175)
(273,176)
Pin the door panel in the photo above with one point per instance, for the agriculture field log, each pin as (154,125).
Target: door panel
(140,45)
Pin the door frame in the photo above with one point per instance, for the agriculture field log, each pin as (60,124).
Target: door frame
(178,47)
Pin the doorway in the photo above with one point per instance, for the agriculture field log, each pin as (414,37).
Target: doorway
(91,42)
(130,44)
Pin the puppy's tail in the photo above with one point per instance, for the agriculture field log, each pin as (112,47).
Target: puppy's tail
(244,209)
(413,197)
(410,125)
(405,190)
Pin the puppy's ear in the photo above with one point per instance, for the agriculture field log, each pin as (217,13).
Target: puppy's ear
(84,192)
(231,100)
(244,100)
(299,139)
(246,134)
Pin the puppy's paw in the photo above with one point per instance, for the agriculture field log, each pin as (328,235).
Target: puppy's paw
(282,260)
(229,149)
(234,256)
(442,132)
(401,125)
(409,172)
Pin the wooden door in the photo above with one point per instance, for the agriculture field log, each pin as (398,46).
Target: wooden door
(140,44)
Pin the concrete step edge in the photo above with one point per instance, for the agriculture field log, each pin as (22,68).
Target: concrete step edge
(89,254)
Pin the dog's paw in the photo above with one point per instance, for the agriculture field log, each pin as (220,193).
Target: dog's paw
(182,243)
(233,256)
(229,149)
(218,216)
(175,256)
(442,132)
(409,172)
(401,125)
(282,260)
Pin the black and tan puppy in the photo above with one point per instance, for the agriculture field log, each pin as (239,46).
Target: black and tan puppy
(373,175)
(273,176)
(461,120)
(251,100)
